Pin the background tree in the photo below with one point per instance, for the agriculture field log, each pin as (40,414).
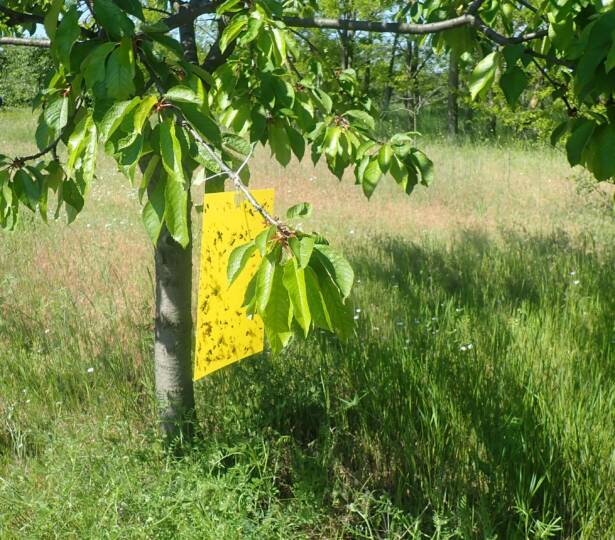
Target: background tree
(24,74)
(166,111)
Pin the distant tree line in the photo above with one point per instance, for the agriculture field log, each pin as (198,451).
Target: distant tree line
(23,73)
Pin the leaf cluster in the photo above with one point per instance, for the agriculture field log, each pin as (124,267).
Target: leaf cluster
(301,283)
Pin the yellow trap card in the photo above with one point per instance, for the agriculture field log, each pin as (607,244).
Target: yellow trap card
(224,332)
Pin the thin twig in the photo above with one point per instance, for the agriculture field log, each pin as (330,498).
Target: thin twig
(558,86)
(239,185)
(20,161)
(168,13)
(528,6)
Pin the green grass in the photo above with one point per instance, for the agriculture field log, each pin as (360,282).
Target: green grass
(476,401)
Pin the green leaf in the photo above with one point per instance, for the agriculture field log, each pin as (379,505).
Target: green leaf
(297,142)
(263,238)
(316,301)
(90,152)
(238,259)
(596,49)
(229,6)
(183,94)
(94,67)
(361,119)
(398,171)
(51,18)
(153,212)
(176,211)
(249,298)
(424,165)
(115,116)
(302,249)
(325,101)
(237,144)
(294,282)
(264,281)
(299,210)
(231,32)
(113,19)
(559,132)
(580,136)
(364,148)
(143,112)
(67,33)
(254,26)
(28,185)
(204,158)
(120,71)
(171,152)
(279,42)
(75,143)
(610,59)
(201,122)
(133,7)
(72,197)
(513,83)
(384,158)
(339,268)
(279,143)
(158,27)
(483,76)
(512,53)
(168,43)
(332,138)
(412,175)
(56,114)
(600,151)
(371,176)
(340,313)
(277,315)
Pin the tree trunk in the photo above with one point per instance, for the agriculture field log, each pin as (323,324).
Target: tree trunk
(346,52)
(412,65)
(492,120)
(173,338)
(173,323)
(388,89)
(453,94)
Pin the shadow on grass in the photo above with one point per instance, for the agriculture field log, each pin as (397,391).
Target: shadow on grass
(500,439)
(482,435)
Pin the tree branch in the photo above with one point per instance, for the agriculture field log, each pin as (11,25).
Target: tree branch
(25,42)
(20,161)
(380,27)
(15,18)
(411,28)
(189,12)
(239,185)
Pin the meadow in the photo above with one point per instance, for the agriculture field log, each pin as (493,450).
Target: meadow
(477,399)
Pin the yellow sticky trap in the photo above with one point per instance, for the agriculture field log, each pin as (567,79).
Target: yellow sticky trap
(224,332)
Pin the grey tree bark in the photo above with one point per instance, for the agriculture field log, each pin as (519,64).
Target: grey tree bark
(173,322)
(453,94)
(173,338)
(388,89)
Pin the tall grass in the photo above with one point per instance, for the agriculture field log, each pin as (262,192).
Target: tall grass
(475,401)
